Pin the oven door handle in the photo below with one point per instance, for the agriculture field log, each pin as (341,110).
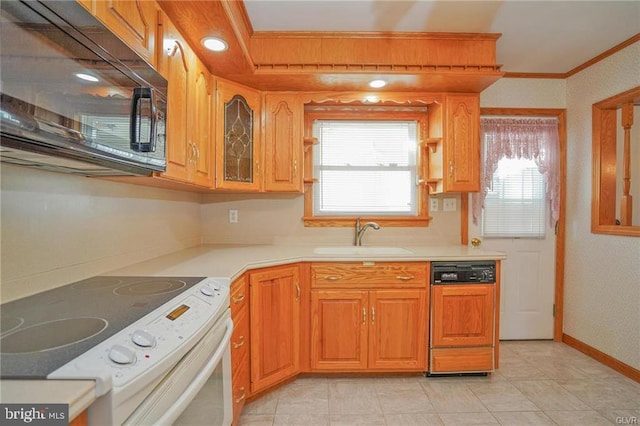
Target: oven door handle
(183,401)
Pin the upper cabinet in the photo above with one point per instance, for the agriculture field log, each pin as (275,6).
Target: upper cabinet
(453,146)
(238,124)
(134,22)
(175,66)
(284,120)
(190,112)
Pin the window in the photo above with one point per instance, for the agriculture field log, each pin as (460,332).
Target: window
(367,165)
(515,204)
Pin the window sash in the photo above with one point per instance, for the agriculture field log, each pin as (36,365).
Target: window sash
(374,174)
(515,206)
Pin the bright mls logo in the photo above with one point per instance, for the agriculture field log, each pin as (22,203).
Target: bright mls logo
(34,414)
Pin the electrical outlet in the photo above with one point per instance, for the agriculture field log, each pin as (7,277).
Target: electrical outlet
(449,204)
(433,204)
(233,216)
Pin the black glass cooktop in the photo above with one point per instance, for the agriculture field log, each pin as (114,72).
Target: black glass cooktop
(40,333)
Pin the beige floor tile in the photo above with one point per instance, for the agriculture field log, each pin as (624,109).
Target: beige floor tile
(522,418)
(412,419)
(353,397)
(405,401)
(304,396)
(459,419)
(255,419)
(521,369)
(264,405)
(605,394)
(448,397)
(356,420)
(310,419)
(549,395)
(502,396)
(622,417)
(582,418)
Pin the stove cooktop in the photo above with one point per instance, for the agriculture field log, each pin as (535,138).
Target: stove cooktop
(40,333)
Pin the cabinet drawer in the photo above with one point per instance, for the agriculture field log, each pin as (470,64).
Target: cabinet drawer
(240,388)
(461,360)
(239,296)
(369,275)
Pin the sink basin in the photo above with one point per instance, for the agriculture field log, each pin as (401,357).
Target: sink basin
(362,250)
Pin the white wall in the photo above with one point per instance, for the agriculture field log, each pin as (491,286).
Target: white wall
(59,228)
(602,276)
(602,273)
(271,220)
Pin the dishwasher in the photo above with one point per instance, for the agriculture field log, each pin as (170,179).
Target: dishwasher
(462,317)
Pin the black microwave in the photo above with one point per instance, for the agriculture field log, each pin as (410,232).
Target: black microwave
(74,97)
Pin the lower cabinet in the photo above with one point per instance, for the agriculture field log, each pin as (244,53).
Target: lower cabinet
(372,318)
(384,330)
(240,342)
(275,325)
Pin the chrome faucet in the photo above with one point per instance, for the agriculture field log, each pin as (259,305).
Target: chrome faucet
(357,241)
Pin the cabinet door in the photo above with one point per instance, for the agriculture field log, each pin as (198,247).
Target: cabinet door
(133,21)
(275,325)
(200,113)
(462,143)
(462,315)
(238,137)
(339,330)
(176,65)
(398,330)
(283,142)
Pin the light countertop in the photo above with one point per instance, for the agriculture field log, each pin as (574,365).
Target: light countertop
(229,261)
(232,260)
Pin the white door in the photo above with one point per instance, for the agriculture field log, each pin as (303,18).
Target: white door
(527,282)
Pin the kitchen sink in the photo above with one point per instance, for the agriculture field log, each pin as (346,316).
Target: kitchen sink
(361,250)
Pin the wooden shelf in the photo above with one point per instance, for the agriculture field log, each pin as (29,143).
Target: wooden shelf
(310,140)
(432,143)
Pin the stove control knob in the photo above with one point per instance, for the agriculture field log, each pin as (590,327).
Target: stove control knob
(215,285)
(143,338)
(122,355)
(206,290)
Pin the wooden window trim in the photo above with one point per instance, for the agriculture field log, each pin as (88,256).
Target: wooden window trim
(422,219)
(604,117)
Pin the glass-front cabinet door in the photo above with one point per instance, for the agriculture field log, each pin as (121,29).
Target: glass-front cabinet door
(238,136)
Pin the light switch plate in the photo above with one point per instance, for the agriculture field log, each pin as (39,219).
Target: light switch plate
(433,204)
(449,205)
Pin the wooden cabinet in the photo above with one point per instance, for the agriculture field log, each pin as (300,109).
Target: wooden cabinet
(284,120)
(190,111)
(275,325)
(369,317)
(175,65)
(134,22)
(238,111)
(201,120)
(453,146)
(240,342)
(462,327)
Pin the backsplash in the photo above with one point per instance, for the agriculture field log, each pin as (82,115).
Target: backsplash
(59,228)
(278,220)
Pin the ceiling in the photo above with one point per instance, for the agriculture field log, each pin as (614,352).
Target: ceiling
(537,36)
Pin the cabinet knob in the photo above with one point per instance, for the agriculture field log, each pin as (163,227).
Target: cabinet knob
(238,299)
(241,397)
(332,277)
(240,343)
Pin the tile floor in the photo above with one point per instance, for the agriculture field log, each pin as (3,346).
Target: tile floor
(538,383)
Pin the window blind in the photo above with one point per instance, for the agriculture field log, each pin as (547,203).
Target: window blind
(515,205)
(365,167)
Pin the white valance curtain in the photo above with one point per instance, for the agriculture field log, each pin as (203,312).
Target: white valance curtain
(521,138)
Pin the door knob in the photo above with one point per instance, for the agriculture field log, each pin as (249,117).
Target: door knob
(475,242)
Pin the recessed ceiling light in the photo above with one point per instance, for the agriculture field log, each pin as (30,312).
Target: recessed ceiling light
(376,84)
(215,44)
(87,77)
